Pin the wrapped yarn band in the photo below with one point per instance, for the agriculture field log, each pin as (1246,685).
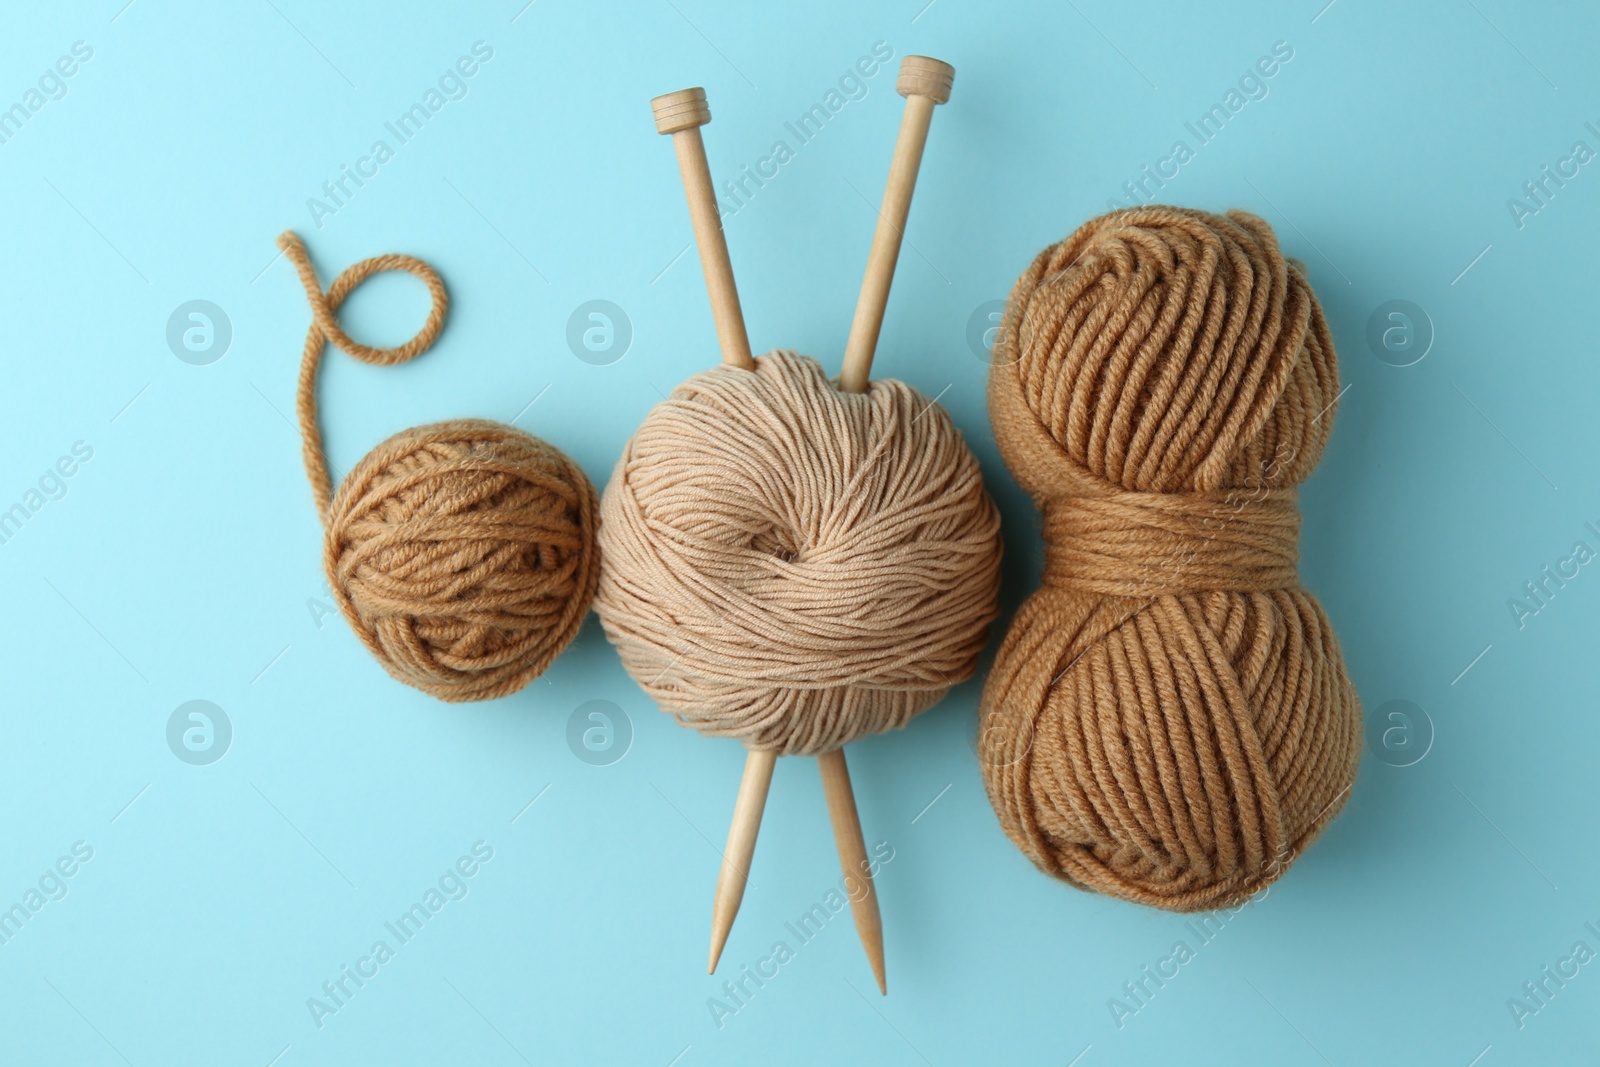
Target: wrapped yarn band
(462,553)
(1134,544)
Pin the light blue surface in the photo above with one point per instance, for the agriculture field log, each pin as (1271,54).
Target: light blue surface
(182,563)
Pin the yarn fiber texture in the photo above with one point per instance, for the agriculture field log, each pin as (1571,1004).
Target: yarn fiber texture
(794,566)
(462,553)
(1168,719)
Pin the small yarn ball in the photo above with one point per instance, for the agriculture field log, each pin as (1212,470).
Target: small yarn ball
(1169,719)
(463,555)
(794,566)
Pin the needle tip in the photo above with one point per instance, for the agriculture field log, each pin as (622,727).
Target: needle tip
(719,937)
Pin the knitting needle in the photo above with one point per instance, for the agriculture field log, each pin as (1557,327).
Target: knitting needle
(925,83)
(681,114)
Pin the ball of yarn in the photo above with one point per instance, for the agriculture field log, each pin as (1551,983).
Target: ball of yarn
(463,555)
(794,566)
(1168,719)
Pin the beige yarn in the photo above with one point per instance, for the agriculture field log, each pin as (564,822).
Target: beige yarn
(462,553)
(794,566)
(1169,719)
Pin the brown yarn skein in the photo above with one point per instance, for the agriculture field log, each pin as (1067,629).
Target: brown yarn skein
(795,566)
(1169,719)
(462,553)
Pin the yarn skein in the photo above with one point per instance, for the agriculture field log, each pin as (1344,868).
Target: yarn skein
(1168,719)
(796,566)
(462,553)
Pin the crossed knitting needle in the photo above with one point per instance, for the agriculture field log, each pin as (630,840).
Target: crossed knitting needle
(925,83)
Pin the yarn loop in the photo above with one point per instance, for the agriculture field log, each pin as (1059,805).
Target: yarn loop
(462,553)
(1168,719)
(792,565)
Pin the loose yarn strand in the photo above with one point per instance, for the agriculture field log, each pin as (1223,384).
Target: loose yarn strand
(325,328)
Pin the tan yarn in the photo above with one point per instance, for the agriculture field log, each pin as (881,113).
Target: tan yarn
(462,553)
(795,566)
(1169,719)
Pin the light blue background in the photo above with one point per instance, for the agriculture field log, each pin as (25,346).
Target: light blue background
(181,561)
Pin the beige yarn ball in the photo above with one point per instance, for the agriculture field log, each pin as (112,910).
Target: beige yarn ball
(794,566)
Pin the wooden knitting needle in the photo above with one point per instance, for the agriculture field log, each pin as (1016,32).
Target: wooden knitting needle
(925,83)
(853,859)
(681,114)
